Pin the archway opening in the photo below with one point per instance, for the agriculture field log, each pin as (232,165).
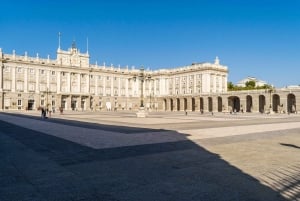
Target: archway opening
(178,104)
(30,105)
(291,101)
(249,103)
(220,104)
(262,103)
(193,104)
(171,104)
(210,104)
(165,104)
(201,105)
(234,104)
(185,104)
(275,102)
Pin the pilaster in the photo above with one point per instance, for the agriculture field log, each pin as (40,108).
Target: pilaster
(1,73)
(13,78)
(58,82)
(25,80)
(68,82)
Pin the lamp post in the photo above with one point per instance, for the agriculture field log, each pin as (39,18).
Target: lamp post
(47,92)
(270,107)
(142,77)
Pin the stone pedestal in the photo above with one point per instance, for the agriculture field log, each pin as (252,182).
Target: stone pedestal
(141,113)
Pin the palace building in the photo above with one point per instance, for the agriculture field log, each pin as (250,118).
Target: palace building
(72,83)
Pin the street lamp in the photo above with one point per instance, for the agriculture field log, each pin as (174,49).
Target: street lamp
(142,77)
(270,92)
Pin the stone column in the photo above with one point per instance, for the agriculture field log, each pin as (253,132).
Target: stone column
(187,82)
(255,103)
(13,78)
(297,95)
(68,103)
(96,85)
(243,104)
(25,80)
(37,81)
(112,93)
(285,104)
(126,88)
(197,104)
(189,104)
(225,104)
(119,86)
(215,104)
(205,103)
(58,88)
(87,103)
(68,82)
(78,83)
(104,85)
(88,84)
(1,75)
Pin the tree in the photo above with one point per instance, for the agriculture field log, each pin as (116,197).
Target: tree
(230,86)
(250,84)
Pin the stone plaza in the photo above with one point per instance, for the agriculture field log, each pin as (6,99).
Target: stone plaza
(168,156)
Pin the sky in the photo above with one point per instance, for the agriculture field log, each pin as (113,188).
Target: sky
(259,38)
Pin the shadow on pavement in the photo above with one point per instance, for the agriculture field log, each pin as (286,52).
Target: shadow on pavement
(37,166)
(290,145)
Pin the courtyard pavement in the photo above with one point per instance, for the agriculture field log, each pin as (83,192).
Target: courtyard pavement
(166,156)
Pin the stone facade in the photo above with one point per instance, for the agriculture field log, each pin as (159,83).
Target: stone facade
(72,83)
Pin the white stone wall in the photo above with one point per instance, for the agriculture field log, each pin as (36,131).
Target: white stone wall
(71,74)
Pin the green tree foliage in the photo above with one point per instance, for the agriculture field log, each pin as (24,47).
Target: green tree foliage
(230,86)
(250,85)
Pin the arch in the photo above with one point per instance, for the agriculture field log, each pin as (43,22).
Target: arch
(184,104)
(291,103)
(193,104)
(261,103)
(63,102)
(249,103)
(234,104)
(30,105)
(210,104)
(220,105)
(171,104)
(201,105)
(178,104)
(165,104)
(275,102)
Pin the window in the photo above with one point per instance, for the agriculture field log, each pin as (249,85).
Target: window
(31,87)
(42,72)
(6,69)
(53,72)
(19,102)
(19,95)
(107,78)
(31,71)
(19,70)
(6,85)
(20,86)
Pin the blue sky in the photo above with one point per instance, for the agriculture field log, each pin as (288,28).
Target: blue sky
(253,38)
